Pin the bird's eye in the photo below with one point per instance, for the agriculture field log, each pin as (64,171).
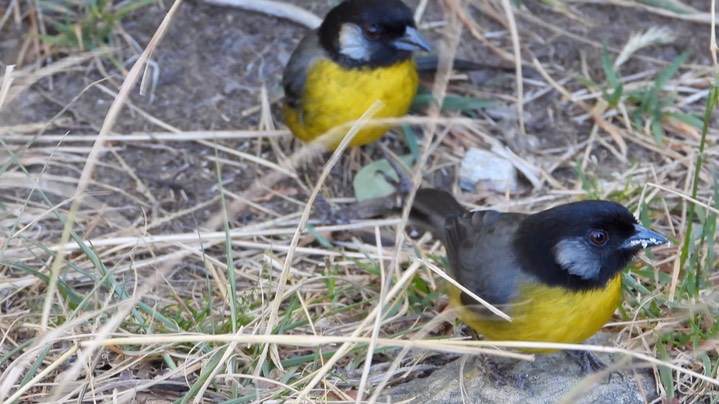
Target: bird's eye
(372,32)
(598,237)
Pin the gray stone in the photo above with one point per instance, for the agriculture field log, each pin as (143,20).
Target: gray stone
(484,169)
(550,378)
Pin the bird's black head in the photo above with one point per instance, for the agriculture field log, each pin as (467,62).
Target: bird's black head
(581,245)
(371,33)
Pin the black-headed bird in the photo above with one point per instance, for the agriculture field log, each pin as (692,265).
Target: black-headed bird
(361,53)
(556,273)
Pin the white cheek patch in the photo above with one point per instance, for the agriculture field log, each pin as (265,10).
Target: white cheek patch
(577,258)
(353,43)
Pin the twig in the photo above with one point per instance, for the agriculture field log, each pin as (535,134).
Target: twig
(517,62)
(274,8)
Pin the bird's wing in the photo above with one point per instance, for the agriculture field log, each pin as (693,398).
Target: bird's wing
(480,250)
(308,52)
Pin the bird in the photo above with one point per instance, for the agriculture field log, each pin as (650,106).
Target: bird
(556,273)
(361,52)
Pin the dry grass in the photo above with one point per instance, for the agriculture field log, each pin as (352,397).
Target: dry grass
(274,309)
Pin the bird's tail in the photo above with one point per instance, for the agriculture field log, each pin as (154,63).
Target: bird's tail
(431,208)
(429,64)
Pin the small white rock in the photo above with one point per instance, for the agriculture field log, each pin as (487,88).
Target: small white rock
(486,169)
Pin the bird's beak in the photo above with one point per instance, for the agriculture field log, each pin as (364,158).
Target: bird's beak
(644,237)
(411,41)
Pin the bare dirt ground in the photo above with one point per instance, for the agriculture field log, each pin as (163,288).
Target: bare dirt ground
(152,203)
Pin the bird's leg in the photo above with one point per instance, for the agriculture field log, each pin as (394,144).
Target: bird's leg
(590,363)
(405,184)
(495,373)
(500,377)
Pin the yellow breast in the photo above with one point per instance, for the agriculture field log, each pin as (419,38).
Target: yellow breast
(334,96)
(546,314)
